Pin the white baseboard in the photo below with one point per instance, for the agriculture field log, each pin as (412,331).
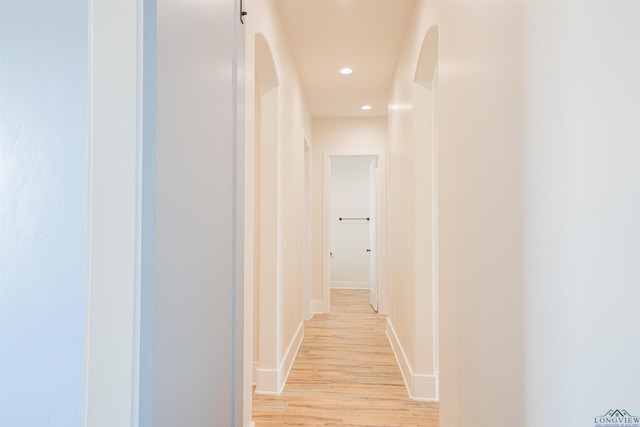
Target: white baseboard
(254,373)
(290,356)
(319,306)
(420,387)
(350,285)
(383,305)
(307,314)
(272,381)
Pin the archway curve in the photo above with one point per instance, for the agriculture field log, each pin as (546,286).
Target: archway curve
(265,65)
(428,58)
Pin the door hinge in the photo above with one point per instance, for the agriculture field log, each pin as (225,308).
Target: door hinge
(242,13)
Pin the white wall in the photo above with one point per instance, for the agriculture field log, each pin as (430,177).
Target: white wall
(480,163)
(282,296)
(412,321)
(538,209)
(355,135)
(195,267)
(350,197)
(43,210)
(581,210)
(479,184)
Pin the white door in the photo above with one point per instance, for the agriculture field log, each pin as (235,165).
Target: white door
(373,235)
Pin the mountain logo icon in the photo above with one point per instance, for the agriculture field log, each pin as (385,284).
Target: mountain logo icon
(617,418)
(617,413)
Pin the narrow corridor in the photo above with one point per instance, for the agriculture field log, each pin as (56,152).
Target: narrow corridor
(345,374)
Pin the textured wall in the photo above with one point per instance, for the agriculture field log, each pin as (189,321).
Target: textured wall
(43,162)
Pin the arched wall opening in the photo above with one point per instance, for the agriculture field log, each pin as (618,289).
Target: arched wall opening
(266,228)
(426,219)
(306,233)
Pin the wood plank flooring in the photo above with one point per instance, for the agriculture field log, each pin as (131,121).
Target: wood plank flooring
(345,374)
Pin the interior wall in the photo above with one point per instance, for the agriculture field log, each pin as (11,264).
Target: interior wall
(401,212)
(479,137)
(425,226)
(538,210)
(350,197)
(43,211)
(293,126)
(195,267)
(412,322)
(268,230)
(581,211)
(335,134)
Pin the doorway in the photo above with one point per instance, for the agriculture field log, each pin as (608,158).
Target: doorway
(426,211)
(264,221)
(306,233)
(354,218)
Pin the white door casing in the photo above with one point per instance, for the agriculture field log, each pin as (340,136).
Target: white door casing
(380,154)
(373,234)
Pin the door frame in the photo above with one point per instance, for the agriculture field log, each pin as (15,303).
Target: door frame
(381,154)
(374,205)
(307,223)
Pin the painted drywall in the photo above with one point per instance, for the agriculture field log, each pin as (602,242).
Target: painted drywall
(335,135)
(350,198)
(43,205)
(412,322)
(194,298)
(479,193)
(285,121)
(267,221)
(538,208)
(581,211)
(403,302)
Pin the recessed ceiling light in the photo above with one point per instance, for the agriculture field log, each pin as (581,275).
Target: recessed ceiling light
(366,107)
(346,70)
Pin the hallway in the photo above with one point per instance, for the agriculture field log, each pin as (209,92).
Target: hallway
(165,221)
(345,374)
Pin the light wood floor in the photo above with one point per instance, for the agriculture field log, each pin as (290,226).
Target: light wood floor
(345,374)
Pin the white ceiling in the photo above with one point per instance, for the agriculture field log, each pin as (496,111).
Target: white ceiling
(365,35)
